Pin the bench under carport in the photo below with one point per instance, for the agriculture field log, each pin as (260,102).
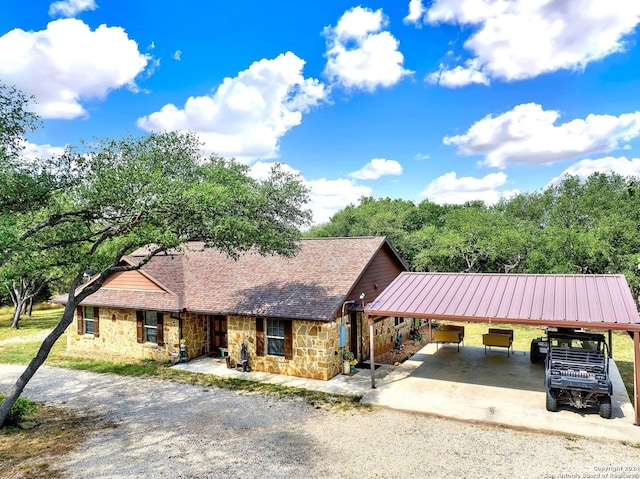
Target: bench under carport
(501,338)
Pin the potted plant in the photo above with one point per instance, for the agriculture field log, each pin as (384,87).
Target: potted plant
(347,359)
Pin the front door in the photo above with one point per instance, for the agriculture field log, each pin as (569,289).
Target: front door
(218,337)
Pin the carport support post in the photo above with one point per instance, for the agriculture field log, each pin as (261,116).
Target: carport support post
(610,344)
(636,375)
(373,361)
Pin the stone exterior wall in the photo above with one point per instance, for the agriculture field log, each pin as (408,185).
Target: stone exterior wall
(195,332)
(385,332)
(118,336)
(316,351)
(316,345)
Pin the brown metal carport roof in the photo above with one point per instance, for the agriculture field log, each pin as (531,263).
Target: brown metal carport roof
(560,300)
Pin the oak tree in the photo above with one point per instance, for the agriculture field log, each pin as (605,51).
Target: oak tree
(155,191)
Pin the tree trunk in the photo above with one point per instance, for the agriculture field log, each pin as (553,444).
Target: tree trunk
(15,391)
(17,309)
(22,297)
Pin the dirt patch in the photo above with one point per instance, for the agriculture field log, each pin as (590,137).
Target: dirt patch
(409,348)
(54,432)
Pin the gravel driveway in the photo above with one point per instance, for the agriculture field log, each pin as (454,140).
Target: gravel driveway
(172,430)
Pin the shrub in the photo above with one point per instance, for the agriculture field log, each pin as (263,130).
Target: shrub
(20,409)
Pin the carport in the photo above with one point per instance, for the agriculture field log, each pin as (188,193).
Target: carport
(571,301)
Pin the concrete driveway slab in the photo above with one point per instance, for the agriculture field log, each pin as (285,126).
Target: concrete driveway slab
(495,388)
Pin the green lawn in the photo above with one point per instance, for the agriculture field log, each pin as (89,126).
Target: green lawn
(19,346)
(44,318)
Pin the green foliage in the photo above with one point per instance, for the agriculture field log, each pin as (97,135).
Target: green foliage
(24,183)
(20,409)
(396,219)
(572,227)
(16,120)
(91,206)
(156,190)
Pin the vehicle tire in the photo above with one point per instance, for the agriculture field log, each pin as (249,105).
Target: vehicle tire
(605,407)
(533,352)
(552,400)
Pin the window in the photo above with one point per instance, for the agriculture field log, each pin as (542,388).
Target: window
(88,318)
(275,337)
(151,327)
(399,320)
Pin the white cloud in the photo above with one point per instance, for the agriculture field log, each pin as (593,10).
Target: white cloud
(68,63)
(519,39)
(585,168)
(260,169)
(70,8)
(177,55)
(416,11)
(458,76)
(327,197)
(360,54)
(377,168)
(449,189)
(247,115)
(330,196)
(527,134)
(421,156)
(33,151)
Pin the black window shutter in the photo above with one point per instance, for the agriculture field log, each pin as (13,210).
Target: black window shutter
(96,323)
(259,336)
(288,340)
(160,329)
(139,324)
(80,313)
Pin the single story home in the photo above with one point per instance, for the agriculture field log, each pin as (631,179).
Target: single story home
(288,312)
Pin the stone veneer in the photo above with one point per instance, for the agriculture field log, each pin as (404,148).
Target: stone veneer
(385,332)
(316,351)
(316,345)
(195,332)
(118,336)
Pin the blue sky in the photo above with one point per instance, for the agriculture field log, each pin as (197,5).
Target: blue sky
(445,100)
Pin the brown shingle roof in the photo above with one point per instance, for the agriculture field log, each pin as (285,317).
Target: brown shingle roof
(587,301)
(311,285)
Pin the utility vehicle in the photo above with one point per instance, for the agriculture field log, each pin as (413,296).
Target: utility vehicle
(576,370)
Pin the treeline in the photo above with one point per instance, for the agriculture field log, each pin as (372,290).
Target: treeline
(573,227)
